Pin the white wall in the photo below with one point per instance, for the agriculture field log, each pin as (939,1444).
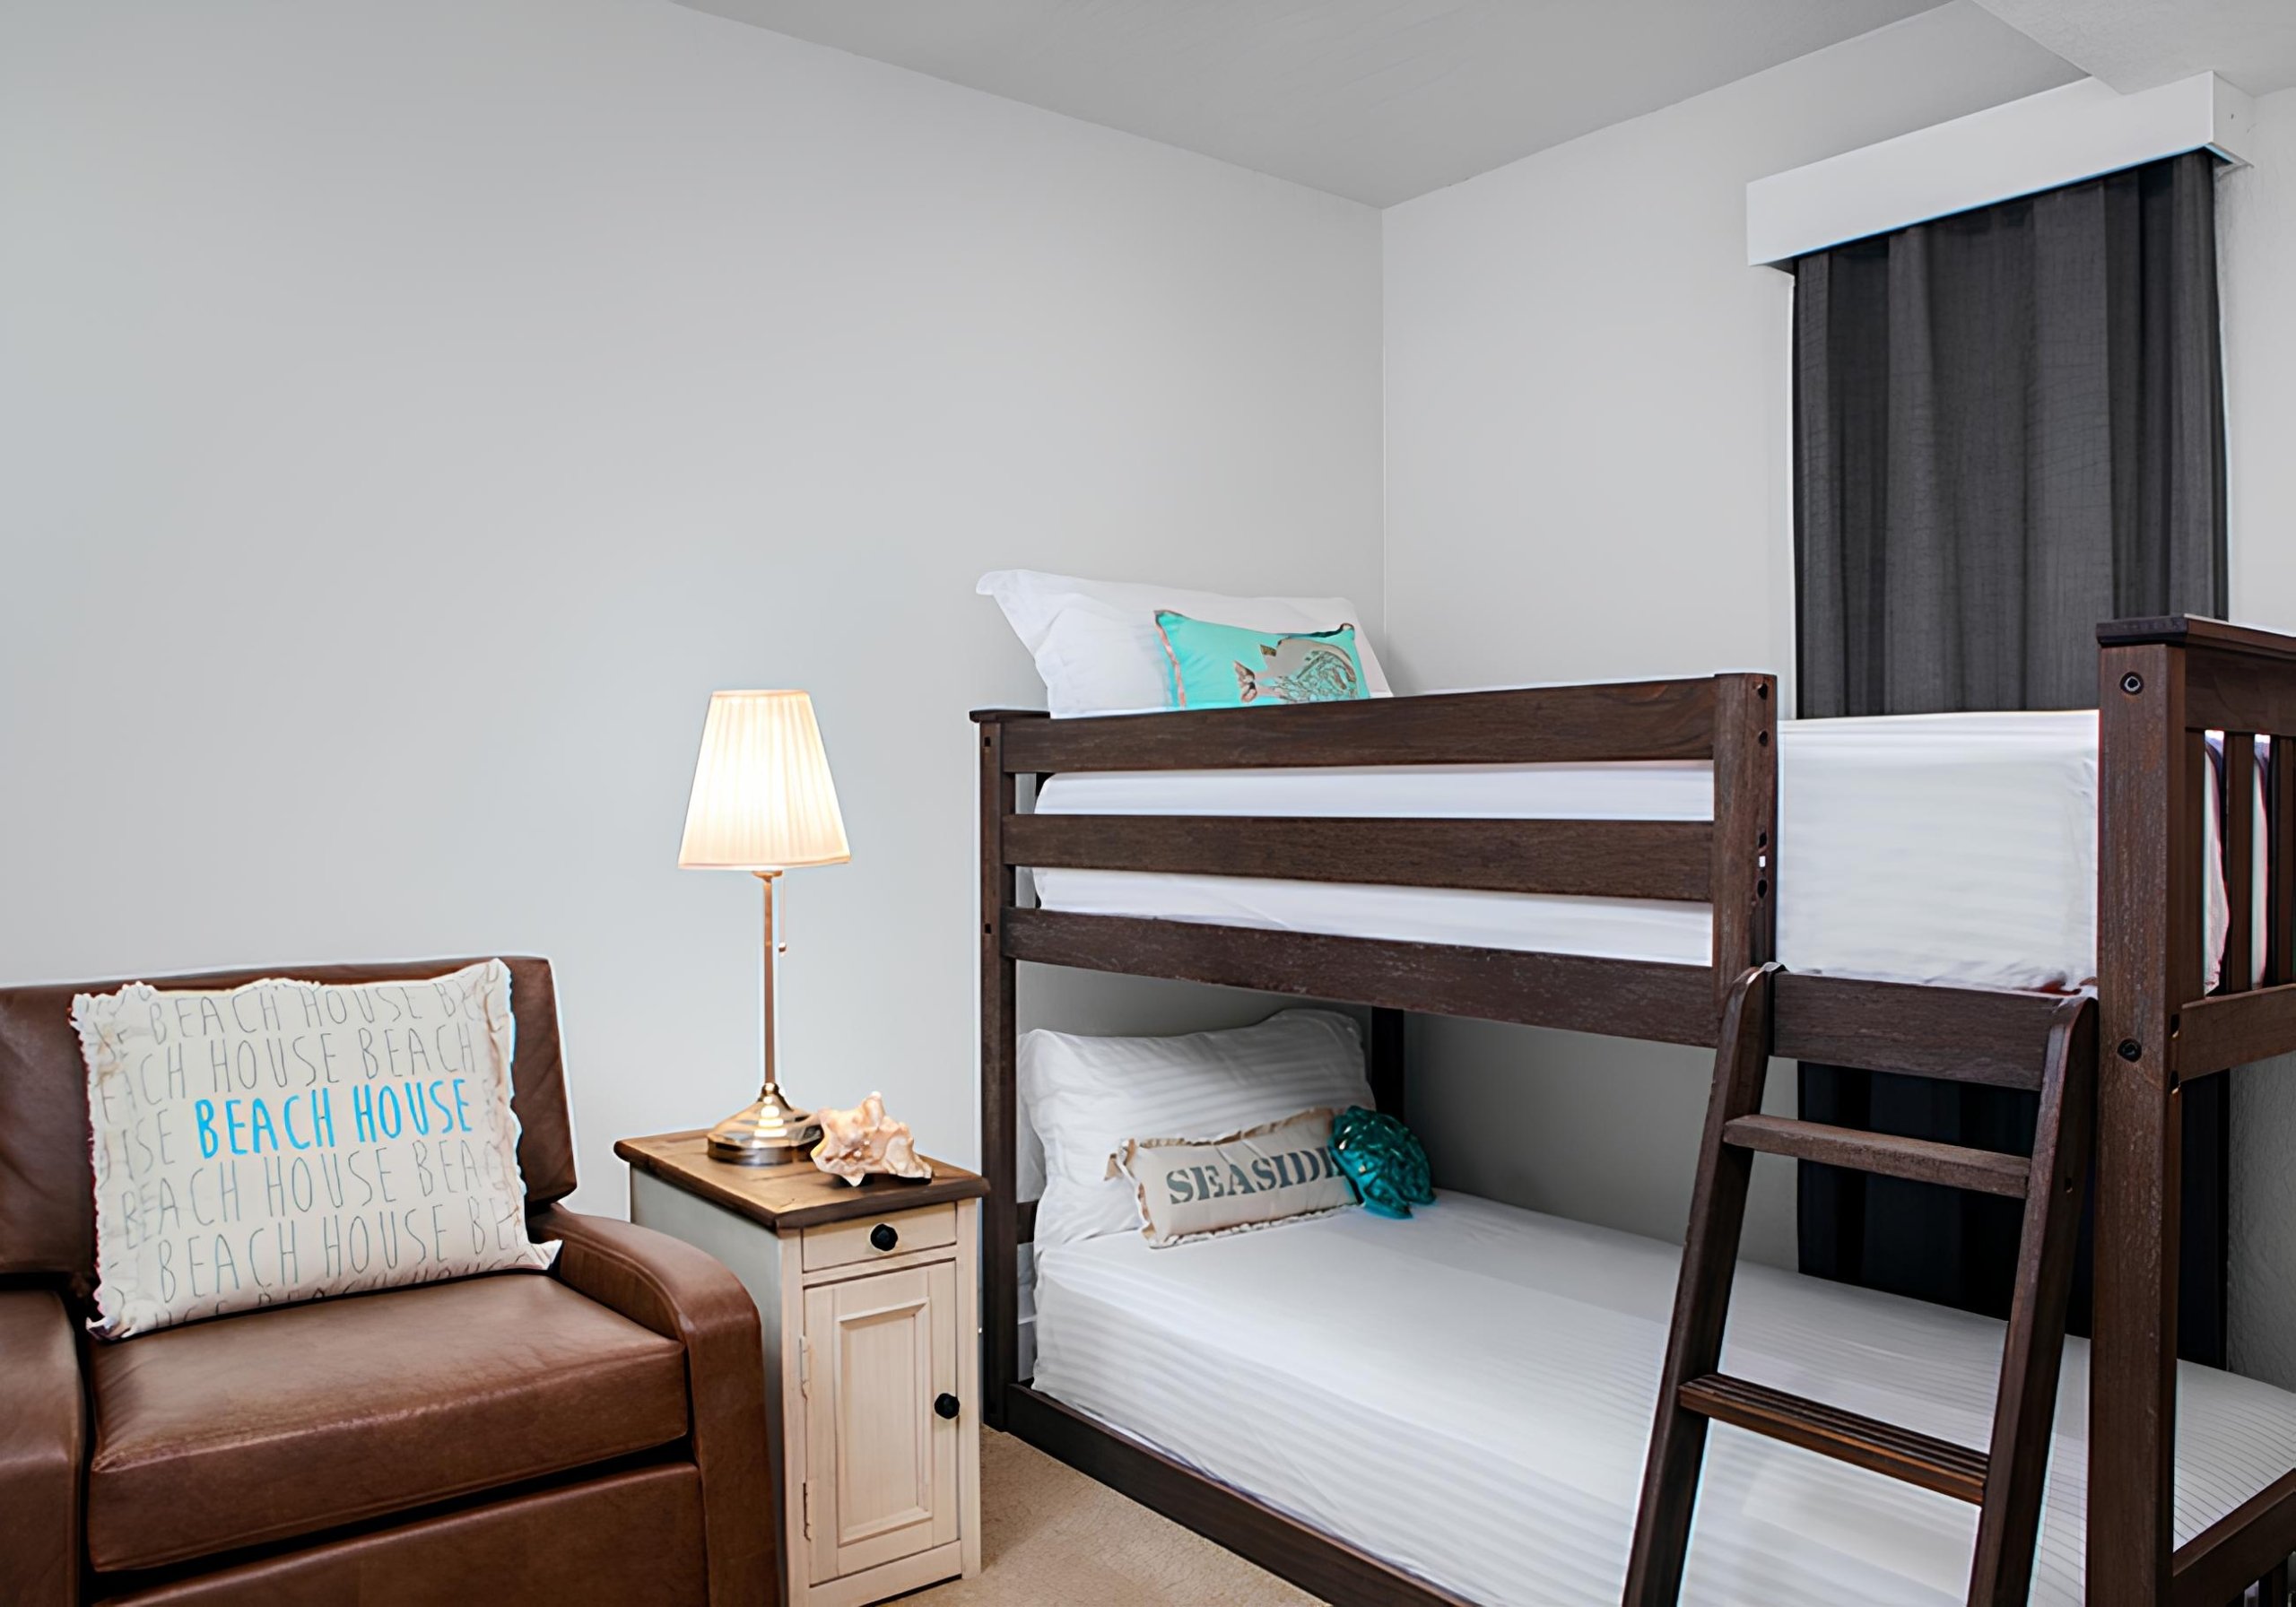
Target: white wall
(2255,225)
(410,412)
(1588,402)
(2256,245)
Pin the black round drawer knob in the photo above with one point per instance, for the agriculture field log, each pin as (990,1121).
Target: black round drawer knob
(883,1236)
(947,1406)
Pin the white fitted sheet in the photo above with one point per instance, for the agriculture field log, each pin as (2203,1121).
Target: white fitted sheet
(1468,1394)
(1939,848)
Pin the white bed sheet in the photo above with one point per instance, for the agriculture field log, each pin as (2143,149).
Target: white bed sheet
(1937,848)
(1468,1394)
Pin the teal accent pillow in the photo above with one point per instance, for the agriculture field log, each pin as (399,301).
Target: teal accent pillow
(1383,1160)
(1226,666)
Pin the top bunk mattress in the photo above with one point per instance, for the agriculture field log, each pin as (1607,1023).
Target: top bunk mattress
(1957,848)
(1469,1395)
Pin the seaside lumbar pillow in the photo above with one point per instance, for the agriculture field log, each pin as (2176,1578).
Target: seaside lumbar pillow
(286,1141)
(1193,1188)
(1384,1160)
(1085,1097)
(1226,666)
(1096,645)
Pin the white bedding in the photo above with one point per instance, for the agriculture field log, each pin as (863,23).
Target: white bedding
(1939,848)
(1468,1394)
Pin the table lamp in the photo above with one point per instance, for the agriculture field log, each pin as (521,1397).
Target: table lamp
(762,802)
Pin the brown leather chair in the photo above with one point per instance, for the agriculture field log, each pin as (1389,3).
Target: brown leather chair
(596,1434)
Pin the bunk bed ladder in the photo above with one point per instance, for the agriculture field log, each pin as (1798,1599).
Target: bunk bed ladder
(2004,1482)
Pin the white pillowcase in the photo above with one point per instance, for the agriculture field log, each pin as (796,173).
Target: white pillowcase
(1087,1097)
(290,1140)
(1096,645)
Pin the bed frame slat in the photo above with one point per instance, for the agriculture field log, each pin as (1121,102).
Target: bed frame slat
(1866,1442)
(1884,1154)
(2234,1028)
(1540,725)
(2239,860)
(1617,859)
(1624,998)
(2229,694)
(1961,1034)
(2280,861)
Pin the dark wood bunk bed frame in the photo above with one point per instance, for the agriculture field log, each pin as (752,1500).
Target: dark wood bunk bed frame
(2164,683)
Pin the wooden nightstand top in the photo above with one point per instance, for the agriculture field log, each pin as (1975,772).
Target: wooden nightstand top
(789,1196)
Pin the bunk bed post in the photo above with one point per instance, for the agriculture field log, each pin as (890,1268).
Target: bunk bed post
(1000,1277)
(2280,864)
(1386,1061)
(1746,827)
(2148,926)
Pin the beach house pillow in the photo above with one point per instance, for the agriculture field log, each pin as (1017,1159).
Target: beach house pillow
(1096,644)
(1228,666)
(1196,1188)
(286,1141)
(1087,1097)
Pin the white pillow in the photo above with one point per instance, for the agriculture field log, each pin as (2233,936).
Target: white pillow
(1087,1097)
(1096,645)
(286,1141)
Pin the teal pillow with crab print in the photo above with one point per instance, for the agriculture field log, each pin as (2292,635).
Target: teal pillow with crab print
(1228,666)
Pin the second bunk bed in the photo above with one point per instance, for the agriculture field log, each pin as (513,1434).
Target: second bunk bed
(1506,1407)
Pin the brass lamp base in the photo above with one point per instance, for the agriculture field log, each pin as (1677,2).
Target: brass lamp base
(772,1132)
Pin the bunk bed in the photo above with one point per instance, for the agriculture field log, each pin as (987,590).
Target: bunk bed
(2164,685)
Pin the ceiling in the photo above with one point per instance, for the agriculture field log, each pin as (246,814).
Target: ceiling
(1378,100)
(2137,44)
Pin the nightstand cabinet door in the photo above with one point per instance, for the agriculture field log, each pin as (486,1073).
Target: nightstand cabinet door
(882,1463)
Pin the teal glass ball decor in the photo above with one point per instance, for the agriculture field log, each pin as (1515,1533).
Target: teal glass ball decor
(1383,1160)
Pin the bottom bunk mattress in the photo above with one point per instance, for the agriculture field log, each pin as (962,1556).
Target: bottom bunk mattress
(1468,1394)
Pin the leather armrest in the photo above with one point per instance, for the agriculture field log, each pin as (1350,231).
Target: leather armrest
(667,1285)
(43,1449)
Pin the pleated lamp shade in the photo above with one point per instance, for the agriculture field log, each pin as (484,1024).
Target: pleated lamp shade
(763,798)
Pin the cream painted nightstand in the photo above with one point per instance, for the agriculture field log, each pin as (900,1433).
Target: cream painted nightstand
(871,1307)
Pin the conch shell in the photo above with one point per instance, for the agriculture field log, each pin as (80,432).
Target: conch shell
(864,1139)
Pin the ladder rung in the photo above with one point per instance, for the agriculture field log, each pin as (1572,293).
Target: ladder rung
(1987,1171)
(1866,1442)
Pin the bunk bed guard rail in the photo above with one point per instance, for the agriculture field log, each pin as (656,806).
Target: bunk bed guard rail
(1729,721)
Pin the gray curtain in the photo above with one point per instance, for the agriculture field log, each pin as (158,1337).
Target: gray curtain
(2008,426)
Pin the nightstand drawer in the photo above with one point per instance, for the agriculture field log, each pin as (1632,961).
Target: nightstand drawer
(879,1238)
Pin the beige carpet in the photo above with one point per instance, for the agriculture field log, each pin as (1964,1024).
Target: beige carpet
(1050,1537)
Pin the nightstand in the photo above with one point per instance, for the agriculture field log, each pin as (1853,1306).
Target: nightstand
(870,1303)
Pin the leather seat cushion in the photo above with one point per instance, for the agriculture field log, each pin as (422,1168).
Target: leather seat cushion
(275,1423)
(629,1537)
